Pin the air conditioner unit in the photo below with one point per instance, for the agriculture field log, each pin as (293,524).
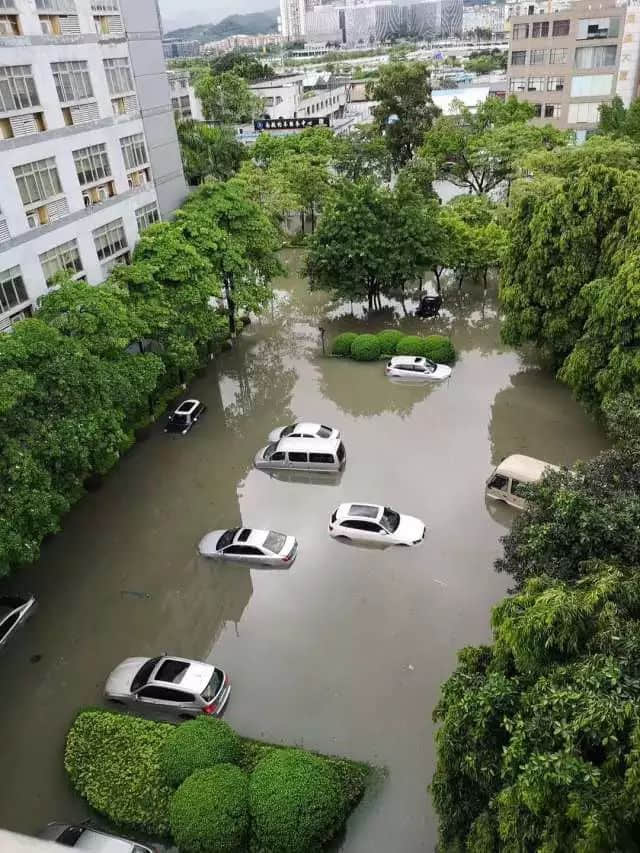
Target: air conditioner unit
(33,220)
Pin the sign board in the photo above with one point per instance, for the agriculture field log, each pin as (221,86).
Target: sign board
(291,123)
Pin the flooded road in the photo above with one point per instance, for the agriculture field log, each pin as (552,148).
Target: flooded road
(345,651)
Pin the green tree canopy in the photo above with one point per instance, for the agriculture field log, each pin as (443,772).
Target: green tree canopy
(226,98)
(616,120)
(209,152)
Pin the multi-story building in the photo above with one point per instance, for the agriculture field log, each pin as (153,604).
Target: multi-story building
(567,60)
(88,148)
(486,16)
(291,21)
(180,48)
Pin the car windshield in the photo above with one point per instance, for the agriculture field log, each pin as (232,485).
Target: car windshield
(227,538)
(213,686)
(324,432)
(390,519)
(287,431)
(269,450)
(181,420)
(275,542)
(431,366)
(142,675)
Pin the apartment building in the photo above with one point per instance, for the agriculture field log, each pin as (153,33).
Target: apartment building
(567,60)
(88,147)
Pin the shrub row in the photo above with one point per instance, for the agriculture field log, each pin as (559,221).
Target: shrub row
(206,787)
(369,347)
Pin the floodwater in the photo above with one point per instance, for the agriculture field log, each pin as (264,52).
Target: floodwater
(345,651)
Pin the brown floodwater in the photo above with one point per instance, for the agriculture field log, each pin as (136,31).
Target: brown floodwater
(345,651)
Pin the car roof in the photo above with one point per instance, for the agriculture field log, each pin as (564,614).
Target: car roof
(187,406)
(309,426)
(96,842)
(308,445)
(360,509)
(255,537)
(408,359)
(527,469)
(194,678)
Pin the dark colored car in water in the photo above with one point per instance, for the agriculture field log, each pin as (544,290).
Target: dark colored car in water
(185,416)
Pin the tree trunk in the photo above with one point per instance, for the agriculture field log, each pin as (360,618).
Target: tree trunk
(231,305)
(302,221)
(437,274)
(420,284)
(460,280)
(484,283)
(313,218)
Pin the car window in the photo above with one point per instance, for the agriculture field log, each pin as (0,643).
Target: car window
(278,457)
(369,526)
(431,365)
(143,674)
(390,519)
(213,686)
(270,450)
(244,534)
(8,624)
(298,457)
(171,670)
(341,453)
(70,835)
(244,550)
(325,458)
(498,482)
(324,432)
(275,542)
(165,693)
(287,431)
(180,420)
(516,488)
(227,538)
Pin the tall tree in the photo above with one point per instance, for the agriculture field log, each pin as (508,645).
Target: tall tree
(618,121)
(226,98)
(405,110)
(209,152)
(307,177)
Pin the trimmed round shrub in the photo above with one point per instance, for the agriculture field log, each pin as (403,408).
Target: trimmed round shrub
(411,345)
(365,348)
(296,802)
(389,340)
(342,344)
(197,744)
(209,813)
(439,348)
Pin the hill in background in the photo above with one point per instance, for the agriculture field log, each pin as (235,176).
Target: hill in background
(234,25)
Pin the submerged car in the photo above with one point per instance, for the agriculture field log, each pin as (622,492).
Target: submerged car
(14,612)
(182,686)
(303,454)
(417,367)
(88,839)
(246,545)
(185,416)
(511,473)
(374,523)
(304,429)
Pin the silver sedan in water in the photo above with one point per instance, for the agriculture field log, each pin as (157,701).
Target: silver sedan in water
(246,545)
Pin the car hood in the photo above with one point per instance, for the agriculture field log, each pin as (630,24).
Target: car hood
(120,679)
(274,435)
(208,544)
(442,371)
(410,528)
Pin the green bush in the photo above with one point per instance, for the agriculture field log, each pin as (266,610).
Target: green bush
(365,348)
(296,802)
(209,812)
(389,340)
(411,345)
(342,344)
(197,744)
(113,762)
(440,349)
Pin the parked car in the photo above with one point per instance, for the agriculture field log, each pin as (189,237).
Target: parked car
(14,612)
(513,471)
(303,454)
(304,429)
(182,686)
(185,416)
(374,523)
(88,839)
(417,367)
(243,544)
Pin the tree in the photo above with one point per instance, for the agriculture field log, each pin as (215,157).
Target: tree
(209,152)
(362,153)
(618,121)
(226,98)
(405,110)
(307,177)
(244,66)
(268,187)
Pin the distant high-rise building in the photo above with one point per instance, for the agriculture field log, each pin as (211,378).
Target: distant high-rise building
(292,19)
(180,48)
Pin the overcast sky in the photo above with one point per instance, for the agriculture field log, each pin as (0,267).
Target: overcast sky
(186,13)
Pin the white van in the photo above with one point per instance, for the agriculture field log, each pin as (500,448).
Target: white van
(502,485)
(303,454)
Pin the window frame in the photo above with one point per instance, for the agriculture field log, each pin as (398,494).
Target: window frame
(72,76)
(117,70)
(518,53)
(38,181)
(96,168)
(12,276)
(147,215)
(132,147)
(65,257)
(23,97)
(105,233)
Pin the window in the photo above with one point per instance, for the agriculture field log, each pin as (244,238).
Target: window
(540,29)
(518,57)
(552,110)
(65,257)
(9,25)
(17,88)
(105,6)
(165,694)
(144,673)
(536,84)
(558,55)
(341,452)
(118,73)
(325,458)
(518,84)
(146,216)
(8,624)
(12,289)
(596,84)
(38,181)
(110,239)
(499,482)
(560,28)
(92,164)
(555,84)
(584,113)
(275,542)
(55,5)
(596,57)
(537,57)
(520,31)
(598,28)
(368,526)
(537,110)
(298,457)
(134,151)
(72,80)
(244,551)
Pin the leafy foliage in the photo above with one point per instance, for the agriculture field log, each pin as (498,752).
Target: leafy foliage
(365,348)
(440,349)
(195,745)
(226,98)
(209,152)
(210,811)
(410,345)
(616,120)
(342,344)
(389,340)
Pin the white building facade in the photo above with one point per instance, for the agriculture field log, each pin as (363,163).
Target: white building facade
(88,147)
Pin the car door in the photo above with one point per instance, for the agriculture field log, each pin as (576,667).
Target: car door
(367,531)
(278,459)
(515,499)
(297,460)
(239,553)
(162,699)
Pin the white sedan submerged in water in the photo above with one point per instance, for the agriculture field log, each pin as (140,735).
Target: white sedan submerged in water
(245,545)
(417,367)
(304,429)
(374,523)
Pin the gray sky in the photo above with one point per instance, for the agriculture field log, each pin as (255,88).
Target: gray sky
(186,13)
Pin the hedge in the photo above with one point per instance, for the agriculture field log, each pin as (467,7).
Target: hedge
(210,811)
(342,344)
(365,348)
(195,745)
(296,803)
(389,339)
(411,345)
(114,761)
(439,348)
